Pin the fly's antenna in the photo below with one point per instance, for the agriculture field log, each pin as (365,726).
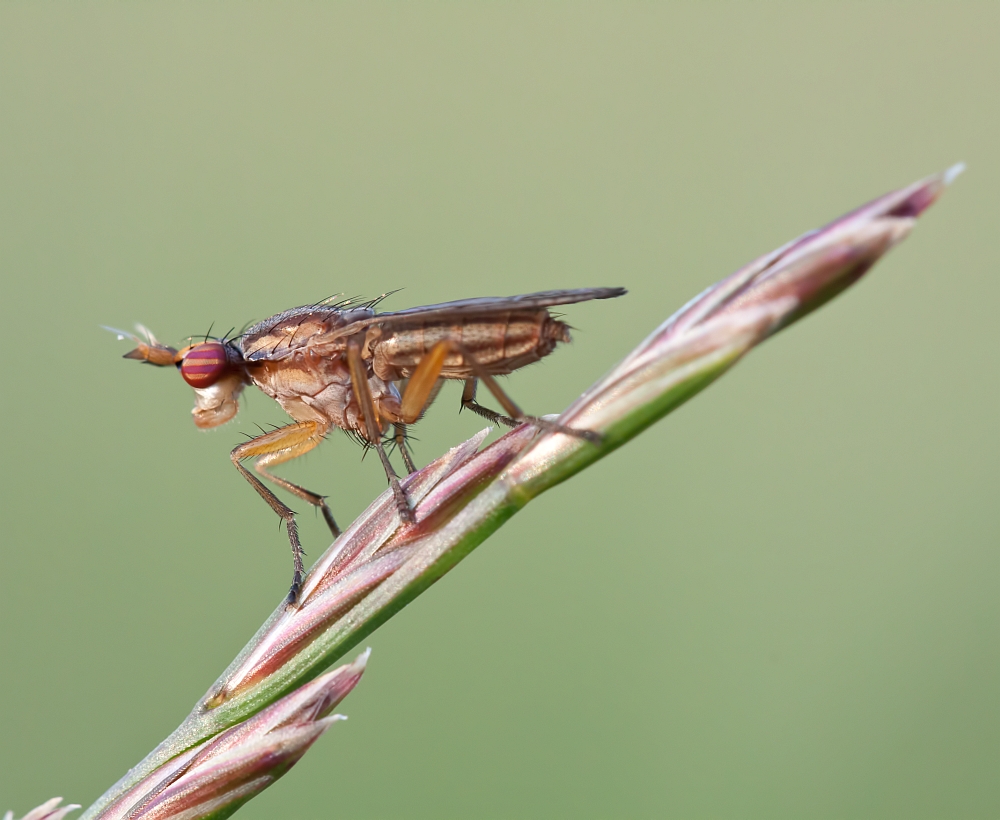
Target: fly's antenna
(149,351)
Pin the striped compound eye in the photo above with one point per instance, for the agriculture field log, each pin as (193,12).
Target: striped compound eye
(204,364)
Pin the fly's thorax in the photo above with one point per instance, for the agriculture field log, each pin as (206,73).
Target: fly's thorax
(337,403)
(296,330)
(308,387)
(297,375)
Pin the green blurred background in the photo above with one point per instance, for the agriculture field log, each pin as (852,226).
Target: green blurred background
(782,601)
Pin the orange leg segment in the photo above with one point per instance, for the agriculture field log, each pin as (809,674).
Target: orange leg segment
(420,387)
(277,447)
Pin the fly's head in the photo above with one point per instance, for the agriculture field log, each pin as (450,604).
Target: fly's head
(214,368)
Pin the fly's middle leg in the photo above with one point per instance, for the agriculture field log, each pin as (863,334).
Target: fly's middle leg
(373,431)
(399,438)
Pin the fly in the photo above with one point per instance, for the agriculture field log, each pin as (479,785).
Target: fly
(343,365)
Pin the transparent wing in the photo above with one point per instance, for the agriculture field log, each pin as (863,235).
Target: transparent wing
(492,304)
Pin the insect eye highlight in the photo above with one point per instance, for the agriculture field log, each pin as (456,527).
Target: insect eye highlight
(204,364)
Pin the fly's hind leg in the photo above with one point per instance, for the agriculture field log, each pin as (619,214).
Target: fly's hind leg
(469,403)
(428,371)
(277,447)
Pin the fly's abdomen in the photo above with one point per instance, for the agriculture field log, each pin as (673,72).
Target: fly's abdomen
(501,343)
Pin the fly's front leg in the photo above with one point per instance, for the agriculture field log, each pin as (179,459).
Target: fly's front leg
(315,499)
(275,448)
(373,431)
